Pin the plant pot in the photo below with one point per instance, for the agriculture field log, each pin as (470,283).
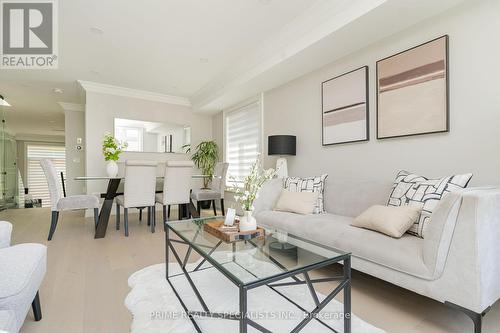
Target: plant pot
(205,204)
(112,169)
(248,222)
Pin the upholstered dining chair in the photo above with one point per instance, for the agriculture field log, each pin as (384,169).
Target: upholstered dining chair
(176,186)
(60,203)
(138,191)
(216,190)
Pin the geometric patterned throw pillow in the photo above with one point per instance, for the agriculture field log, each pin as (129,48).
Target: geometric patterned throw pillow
(414,190)
(308,184)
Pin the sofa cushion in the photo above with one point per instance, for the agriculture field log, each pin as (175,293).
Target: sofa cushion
(7,321)
(404,254)
(297,202)
(308,184)
(23,269)
(5,231)
(414,190)
(390,220)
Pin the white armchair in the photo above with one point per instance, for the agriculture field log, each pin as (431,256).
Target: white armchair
(22,269)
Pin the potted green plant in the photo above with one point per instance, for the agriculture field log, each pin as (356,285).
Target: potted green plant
(205,157)
(111,149)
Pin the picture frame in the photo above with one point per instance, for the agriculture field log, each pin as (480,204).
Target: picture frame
(345,111)
(413,91)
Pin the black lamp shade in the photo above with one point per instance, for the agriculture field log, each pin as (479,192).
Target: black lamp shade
(281,145)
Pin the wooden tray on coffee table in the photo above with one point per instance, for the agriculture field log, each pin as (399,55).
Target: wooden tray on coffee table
(214,228)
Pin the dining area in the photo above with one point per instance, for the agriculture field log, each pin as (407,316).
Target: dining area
(142,185)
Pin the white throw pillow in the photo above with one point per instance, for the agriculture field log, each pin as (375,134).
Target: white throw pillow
(390,220)
(308,184)
(297,202)
(413,190)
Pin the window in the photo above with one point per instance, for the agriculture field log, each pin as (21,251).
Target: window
(131,135)
(243,140)
(37,183)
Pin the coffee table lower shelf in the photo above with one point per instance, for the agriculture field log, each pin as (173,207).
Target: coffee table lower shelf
(344,285)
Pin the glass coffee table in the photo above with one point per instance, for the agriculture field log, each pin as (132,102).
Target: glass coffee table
(276,260)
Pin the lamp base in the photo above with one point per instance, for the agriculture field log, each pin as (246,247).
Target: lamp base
(281,168)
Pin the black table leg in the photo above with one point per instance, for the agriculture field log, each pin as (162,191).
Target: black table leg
(102,224)
(243,310)
(347,295)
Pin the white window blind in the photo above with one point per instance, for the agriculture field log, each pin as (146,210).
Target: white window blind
(243,141)
(37,183)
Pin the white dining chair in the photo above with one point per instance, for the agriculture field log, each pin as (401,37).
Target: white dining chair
(138,190)
(176,186)
(216,190)
(60,203)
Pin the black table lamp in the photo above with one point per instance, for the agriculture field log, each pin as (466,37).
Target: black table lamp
(281,145)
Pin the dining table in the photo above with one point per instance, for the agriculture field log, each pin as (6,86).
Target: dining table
(112,192)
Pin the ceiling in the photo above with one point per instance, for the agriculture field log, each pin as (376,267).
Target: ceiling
(214,52)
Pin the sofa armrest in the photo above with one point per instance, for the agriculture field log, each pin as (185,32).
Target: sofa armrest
(5,233)
(485,206)
(473,261)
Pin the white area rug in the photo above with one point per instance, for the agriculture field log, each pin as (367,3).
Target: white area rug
(155,308)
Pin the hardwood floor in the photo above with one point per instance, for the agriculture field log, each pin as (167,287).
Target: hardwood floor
(86,281)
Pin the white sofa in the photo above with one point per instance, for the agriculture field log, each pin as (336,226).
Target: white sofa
(22,268)
(458,263)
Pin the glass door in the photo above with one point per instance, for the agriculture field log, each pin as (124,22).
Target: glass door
(8,167)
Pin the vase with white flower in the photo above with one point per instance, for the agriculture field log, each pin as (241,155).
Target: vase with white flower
(245,195)
(111,149)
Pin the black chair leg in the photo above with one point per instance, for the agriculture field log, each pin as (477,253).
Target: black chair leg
(125,220)
(179,215)
(140,214)
(117,217)
(222,207)
(168,215)
(198,208)
(37,309)
(96,216)
(215,208)
(153,219)
(53,223)
(149,216)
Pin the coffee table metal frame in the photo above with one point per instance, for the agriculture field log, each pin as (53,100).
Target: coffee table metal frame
(270,282)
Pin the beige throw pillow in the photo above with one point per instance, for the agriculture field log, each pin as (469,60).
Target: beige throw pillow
(297,202)
(390,220)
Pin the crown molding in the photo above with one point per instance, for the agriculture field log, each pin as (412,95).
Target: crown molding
(71,106)
(133,93)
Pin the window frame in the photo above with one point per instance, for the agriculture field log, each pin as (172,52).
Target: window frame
(27,162)
(256,99)
(140,131)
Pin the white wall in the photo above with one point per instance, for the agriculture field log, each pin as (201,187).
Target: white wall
(473,145)
(74,127)
(100,111)
(218,132)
